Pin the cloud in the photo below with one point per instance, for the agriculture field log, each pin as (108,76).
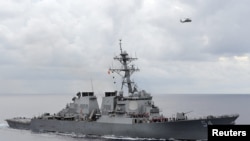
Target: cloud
(58,46)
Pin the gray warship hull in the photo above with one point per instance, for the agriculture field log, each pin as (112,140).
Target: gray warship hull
(192,129)
(19,123)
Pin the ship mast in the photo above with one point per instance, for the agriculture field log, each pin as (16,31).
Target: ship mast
(128,69)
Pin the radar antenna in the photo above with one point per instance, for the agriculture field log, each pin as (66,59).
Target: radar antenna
(128,70)
(120,45)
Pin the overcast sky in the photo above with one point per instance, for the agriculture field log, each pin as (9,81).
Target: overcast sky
(59,46)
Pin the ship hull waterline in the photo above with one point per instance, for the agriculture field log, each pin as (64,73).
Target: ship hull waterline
(185,129)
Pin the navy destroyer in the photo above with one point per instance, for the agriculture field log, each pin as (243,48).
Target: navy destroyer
(123,113)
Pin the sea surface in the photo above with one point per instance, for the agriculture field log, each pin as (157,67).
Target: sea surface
(196,105)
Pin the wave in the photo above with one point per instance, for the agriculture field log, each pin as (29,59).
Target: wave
(109,137)
(112,137)
(131,139)
(3,125)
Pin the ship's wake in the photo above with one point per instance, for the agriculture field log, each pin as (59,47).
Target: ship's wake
(130,139)
(112,137)
(108,137)
(3,125)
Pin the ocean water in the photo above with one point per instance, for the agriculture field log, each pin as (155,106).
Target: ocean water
(197,105)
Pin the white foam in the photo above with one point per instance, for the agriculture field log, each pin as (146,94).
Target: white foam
(111,137)
(129,138)
(3,125)
(71,135)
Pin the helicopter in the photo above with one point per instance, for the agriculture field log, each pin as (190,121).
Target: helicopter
(185,20)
